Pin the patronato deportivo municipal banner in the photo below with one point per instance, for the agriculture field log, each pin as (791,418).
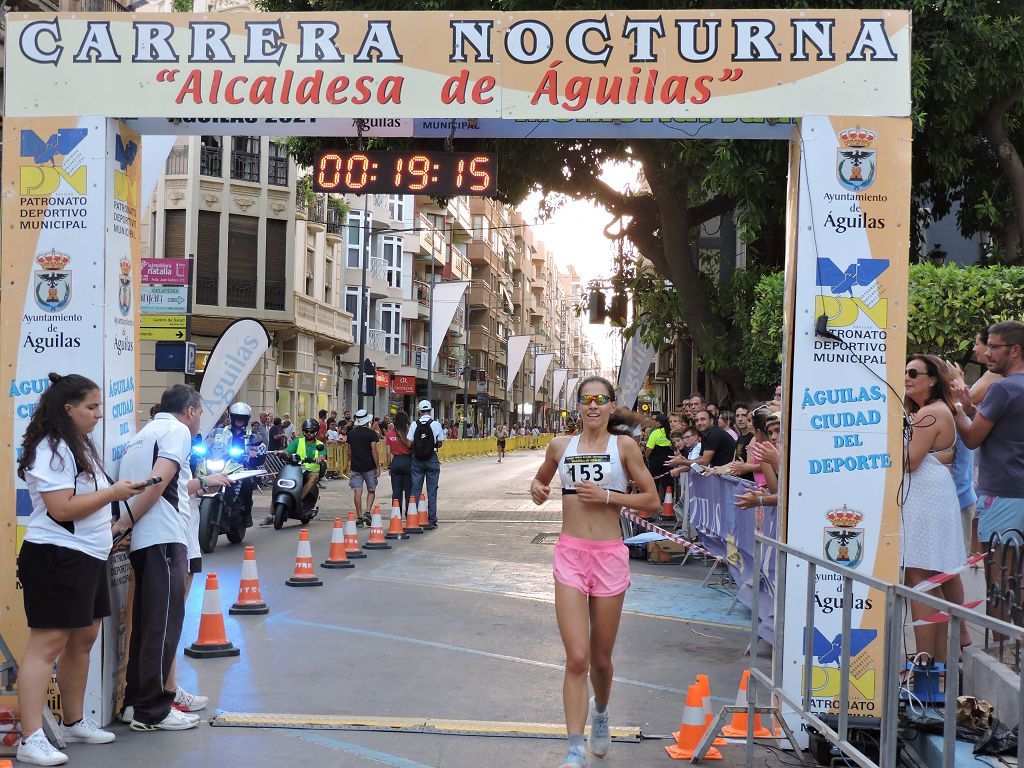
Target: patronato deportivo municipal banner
(625,64)
(71,249)
(844,435)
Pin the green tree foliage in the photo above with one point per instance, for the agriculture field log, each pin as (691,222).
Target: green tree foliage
(948,306)
(182,6)
(967,115)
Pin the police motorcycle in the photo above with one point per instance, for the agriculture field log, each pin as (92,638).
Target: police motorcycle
(228,450)
(287,501)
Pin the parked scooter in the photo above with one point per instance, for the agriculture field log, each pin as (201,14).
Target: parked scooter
(223,510)
(287,491)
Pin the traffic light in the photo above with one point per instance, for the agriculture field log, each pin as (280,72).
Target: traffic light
(595,310)
(618,310)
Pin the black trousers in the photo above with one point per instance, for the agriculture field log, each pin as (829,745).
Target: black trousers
(158,612)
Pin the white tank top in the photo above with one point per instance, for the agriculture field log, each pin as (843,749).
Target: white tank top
(603,469)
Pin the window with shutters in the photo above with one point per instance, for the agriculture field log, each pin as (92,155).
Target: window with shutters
(329,279)
(242,260)
(354,239)
(310,257)
(174,234)
(245,158)
(277,165)
(396,206)
(275,285)
(392,247)
(211,156)
(207,267)
(391,323)
(354,307)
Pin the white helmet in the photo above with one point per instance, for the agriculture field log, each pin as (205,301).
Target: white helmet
(425,406)
(240,409)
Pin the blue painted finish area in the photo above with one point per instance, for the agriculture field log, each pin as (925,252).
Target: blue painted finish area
(649,595)
(372,755)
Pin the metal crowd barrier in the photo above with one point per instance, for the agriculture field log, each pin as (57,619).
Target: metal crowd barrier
(893,666)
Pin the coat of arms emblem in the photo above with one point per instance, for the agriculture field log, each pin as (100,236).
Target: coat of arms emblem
(855,167)
(844,543)
(52,287)
(124,293)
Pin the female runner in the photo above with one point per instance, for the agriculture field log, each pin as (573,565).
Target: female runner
(591,564)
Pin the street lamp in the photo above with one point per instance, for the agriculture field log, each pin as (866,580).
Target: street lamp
(936,255)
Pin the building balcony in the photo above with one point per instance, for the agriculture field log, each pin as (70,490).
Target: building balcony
(211,161)
(245,166)
(446,369)
(177,161)
(377,277)
(481,295)
(376,340)
(324,321)
(433,245)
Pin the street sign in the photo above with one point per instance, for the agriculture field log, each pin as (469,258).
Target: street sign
(163,327)
(164,299)
(161,334)
(179,356)
(165,271)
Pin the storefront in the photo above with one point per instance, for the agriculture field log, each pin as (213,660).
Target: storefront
(296,395)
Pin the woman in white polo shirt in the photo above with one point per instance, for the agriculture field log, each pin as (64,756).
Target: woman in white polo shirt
(62,562)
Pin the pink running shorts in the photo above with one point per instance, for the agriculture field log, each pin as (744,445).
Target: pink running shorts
(595,568)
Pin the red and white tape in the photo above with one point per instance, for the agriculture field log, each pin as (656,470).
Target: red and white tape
(644,523)
(942,617)
(941,578)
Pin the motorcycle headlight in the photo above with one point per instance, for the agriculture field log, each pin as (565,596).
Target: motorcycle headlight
(199,450)
(235,452)
(215,465)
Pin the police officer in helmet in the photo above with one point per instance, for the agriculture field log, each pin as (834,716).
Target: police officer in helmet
(255,450)
(313,455)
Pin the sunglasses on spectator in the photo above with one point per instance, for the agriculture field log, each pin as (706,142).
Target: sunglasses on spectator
(593,399)
(913,373)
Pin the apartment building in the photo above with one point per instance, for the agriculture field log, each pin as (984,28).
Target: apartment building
(230,205)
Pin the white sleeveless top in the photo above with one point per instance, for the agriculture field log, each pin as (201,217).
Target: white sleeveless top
(603,469)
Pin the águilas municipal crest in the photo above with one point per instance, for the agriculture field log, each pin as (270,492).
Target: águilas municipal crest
(855,167)
(844,542)
(124,293)
(52,287)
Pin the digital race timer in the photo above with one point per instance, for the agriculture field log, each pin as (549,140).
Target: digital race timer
(440,174)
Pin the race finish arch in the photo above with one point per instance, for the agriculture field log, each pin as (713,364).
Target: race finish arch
(836,84)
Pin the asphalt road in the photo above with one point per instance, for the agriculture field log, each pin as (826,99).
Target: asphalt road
(457,623)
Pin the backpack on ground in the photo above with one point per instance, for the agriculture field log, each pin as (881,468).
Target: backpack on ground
(423,442)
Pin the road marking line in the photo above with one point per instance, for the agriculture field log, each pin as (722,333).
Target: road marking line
(548,601)
(354,749)
(458,649)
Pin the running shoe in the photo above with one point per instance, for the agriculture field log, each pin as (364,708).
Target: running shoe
(189,702)
(85,731)
(600,736)
(575,758)
(38,750)
(175,721)
(127,715)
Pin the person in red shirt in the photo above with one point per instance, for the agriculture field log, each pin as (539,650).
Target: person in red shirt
(321,433)
(398,444)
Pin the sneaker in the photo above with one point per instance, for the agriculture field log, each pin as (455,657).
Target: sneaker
(575,758)
(85,731)
(267,521)
(38,750)
(127,715)
(368,520)
(175,721)
(430,527)
(189,702)
(600,737)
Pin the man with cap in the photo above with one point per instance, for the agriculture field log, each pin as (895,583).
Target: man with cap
(426,437)
(365,464)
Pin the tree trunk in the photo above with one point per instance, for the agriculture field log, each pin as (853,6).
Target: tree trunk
(1012,169)
(673,258)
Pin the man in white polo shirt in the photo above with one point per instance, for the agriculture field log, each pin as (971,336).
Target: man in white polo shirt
(159,518)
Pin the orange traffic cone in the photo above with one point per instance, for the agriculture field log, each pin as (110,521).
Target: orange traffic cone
(424,510)
(213,641)
(376,540)
(737,729)
(250,601)
(412,519)
(704,684)
(666,505)
(336,558)
(395,530)
(303,575)
(352,549)
(691,729)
